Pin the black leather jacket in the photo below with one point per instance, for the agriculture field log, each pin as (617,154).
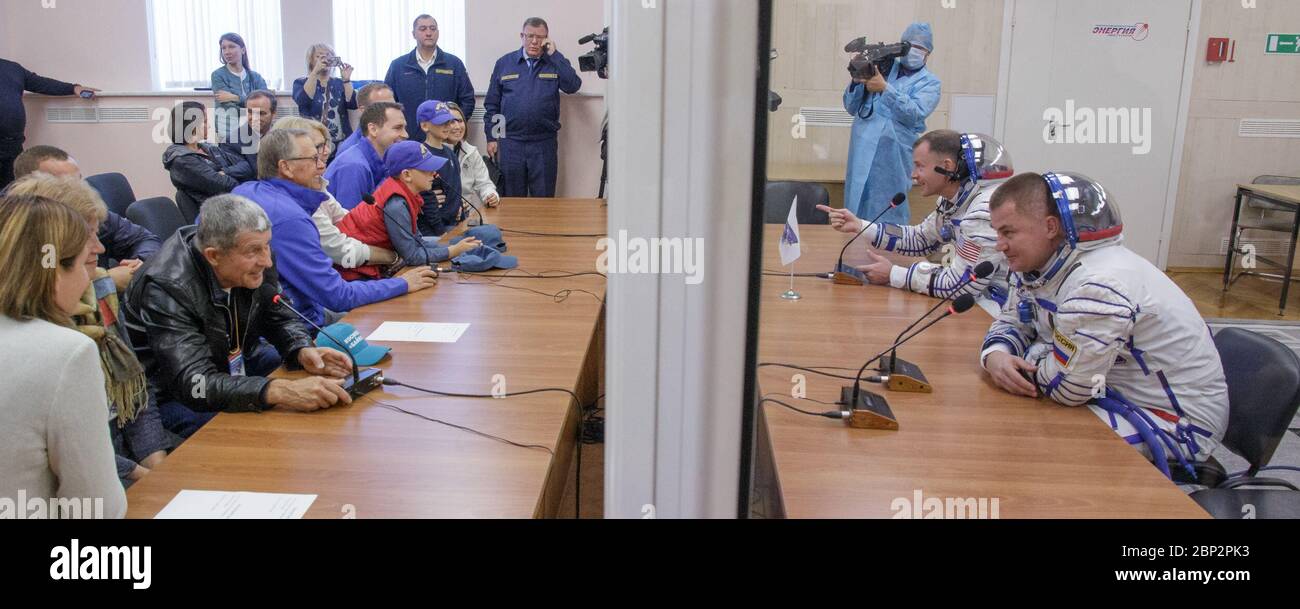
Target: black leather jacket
(178,317)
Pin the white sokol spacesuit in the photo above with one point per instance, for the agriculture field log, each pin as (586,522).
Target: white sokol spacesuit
(1108,329)
(964,223)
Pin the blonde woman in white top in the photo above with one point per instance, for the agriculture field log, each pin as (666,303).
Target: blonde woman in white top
(56,458)
(474,178)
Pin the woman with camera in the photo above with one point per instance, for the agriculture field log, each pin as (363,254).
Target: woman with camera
(323,97)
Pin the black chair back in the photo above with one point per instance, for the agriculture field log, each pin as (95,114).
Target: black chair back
(115,189)
(779,195)
(188,206)
(159,215)
(1263,393)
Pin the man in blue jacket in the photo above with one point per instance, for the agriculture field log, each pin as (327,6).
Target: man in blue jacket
(306,272)
(14,79)
(426,73)
(522,119)
(357,172)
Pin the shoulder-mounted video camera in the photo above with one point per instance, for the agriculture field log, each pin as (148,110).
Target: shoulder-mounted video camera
(870,58)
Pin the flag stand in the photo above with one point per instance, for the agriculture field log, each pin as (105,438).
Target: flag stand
(791,294)
(790,247)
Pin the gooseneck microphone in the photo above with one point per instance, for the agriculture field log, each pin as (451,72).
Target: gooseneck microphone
(962,304)
(361,383)
(982,271)
(447,188)
(839,273)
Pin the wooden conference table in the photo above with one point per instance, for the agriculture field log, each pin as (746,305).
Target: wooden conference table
(966,440)
(366,461)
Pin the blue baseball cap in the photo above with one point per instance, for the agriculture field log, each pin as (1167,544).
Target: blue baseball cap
(411,155)
(488,234)
(434,111)
(483,258)
(365,353)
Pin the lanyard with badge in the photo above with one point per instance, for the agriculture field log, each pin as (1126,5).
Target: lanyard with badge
(236,358)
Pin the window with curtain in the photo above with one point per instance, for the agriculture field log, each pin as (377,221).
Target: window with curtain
(186,36)
(370,34)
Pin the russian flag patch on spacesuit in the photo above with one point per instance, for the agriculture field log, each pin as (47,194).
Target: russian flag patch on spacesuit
(1063,349)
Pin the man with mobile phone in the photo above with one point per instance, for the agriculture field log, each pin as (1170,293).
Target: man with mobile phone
(14,79)
(522,118)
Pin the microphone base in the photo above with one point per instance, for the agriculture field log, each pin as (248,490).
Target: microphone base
(847,279)
(368,380)
(871,412)
(906,377)
(847,275)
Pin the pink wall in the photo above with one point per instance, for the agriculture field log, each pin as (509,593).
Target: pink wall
(105,44)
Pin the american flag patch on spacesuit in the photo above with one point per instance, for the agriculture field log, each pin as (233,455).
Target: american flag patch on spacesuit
(970,251)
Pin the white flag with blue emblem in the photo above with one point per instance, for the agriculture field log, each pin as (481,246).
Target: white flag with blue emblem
(790,250)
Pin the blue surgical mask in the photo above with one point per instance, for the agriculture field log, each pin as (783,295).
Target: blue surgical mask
(915,59)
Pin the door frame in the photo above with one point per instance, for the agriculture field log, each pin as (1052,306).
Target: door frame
(1174,175)
(675,377)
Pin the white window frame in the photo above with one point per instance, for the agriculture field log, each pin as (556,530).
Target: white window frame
(386,35)
(257,21)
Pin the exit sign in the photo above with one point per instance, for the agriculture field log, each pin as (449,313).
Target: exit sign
(1283,44)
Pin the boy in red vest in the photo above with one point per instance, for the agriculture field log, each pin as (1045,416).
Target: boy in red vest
(389,218)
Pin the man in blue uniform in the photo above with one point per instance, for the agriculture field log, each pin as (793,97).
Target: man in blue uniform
(426,73)
(522,118)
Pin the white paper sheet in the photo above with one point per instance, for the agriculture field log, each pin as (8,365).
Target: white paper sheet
(416,332)
(220,505)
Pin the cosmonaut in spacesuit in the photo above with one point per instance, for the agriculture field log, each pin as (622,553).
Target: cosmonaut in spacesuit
(1090,322)
(963,170)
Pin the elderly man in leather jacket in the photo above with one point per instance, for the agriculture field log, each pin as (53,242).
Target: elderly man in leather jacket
(201,313)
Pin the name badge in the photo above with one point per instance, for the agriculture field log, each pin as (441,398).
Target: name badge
(548,76)
(236,363)
(509,77)
(447,72)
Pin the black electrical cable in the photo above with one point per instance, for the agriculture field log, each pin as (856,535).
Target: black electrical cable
(522,274)
(481,396)
(803,275)
(577,478)
(476,432)
(818,371)
(577,485)
(833,414)
(533,234)
(558,297)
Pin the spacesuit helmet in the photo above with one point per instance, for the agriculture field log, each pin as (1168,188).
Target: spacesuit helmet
(1088,211)
(984,158)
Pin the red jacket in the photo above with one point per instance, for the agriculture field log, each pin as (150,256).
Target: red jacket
(365,223)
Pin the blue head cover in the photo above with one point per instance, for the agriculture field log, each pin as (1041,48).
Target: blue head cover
(920,34)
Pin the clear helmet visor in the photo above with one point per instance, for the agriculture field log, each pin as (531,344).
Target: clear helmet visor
(1088,212)
(986,158)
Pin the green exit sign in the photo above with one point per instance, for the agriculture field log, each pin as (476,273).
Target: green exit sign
(1283,44)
